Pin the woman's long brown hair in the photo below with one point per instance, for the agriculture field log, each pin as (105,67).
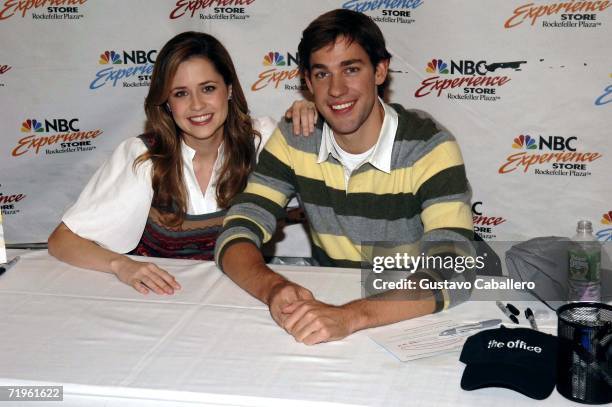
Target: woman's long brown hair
(170,193)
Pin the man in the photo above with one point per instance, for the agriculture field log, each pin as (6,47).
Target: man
(373,172)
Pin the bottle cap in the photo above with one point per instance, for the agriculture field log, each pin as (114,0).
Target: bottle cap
(584,226)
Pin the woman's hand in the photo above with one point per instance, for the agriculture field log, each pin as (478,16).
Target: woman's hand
(71,248)
(304,115)
(144,276)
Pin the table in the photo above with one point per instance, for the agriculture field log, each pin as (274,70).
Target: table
(210,344)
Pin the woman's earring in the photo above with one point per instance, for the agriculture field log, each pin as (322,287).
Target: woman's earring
(168,107)
(229,96)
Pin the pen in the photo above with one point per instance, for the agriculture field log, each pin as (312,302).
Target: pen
(531,318)
(6,266)
(513,309)
(471,327)
(506,312)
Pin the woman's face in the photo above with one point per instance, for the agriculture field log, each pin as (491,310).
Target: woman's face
(198,100)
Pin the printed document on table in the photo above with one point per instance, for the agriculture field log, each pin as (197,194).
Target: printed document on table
(2,248)
(418,338)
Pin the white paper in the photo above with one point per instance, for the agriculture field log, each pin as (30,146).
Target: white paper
(418,338)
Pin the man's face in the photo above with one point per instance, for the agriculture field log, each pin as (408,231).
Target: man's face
(344,84)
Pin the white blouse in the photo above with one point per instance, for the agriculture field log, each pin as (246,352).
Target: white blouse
(113,207)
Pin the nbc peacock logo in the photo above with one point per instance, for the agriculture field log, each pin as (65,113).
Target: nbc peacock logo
(475,79)
(273,59)
(279,68)
(109,57)
(53,136)
(525,142)
(549,155)
(114,69)
(437,66)
(32,126)
(605,234)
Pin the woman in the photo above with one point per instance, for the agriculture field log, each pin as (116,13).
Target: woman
(164,193)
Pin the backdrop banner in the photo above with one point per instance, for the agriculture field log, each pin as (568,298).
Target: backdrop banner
(524,86)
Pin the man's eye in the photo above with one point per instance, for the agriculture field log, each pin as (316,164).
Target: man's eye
(320,75)
(351,70)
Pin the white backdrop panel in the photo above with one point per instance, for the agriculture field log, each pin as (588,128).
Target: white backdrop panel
(555,92)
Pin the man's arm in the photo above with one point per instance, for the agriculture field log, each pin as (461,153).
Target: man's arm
(440,183)
(251,221)
(313,322)
(244,264)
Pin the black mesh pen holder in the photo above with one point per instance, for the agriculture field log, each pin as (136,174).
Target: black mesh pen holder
(584,360)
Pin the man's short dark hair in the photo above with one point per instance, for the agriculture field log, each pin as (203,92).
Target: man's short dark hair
(353,26)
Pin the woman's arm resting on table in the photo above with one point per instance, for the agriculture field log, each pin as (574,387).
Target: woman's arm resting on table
(70,248)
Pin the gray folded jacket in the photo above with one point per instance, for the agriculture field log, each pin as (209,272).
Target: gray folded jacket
(544,261)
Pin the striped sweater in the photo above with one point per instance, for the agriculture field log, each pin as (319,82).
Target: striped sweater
(425,197)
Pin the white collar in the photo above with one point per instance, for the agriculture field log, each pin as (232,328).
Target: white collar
(381,156)
(189,153)
(200,201)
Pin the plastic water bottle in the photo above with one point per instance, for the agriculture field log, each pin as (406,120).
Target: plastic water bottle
(584,258)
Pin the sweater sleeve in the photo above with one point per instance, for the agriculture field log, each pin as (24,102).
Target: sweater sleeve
(254,212)
(440,183)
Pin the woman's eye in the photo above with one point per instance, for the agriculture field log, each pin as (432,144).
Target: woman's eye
(209,89)
(180,93)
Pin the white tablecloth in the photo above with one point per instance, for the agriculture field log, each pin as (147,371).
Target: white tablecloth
(209,344)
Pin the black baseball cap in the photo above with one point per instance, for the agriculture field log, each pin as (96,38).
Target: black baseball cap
(519,359)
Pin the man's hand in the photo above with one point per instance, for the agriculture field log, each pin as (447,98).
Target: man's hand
(284,294)
(304,116)
(312,321)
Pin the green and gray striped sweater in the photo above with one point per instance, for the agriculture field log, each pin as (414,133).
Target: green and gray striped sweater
(425,197)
